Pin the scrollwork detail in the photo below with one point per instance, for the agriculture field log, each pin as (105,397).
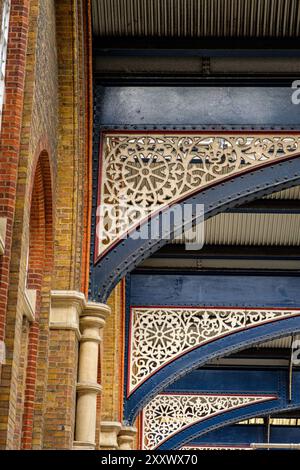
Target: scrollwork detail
(159,335)
(145,173)
(167,414)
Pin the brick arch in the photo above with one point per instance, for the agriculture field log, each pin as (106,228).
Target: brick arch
(39,266)
(40,256)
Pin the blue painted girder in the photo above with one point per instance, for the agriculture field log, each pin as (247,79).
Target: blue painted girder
(242,435)
(202,290)
(221,289)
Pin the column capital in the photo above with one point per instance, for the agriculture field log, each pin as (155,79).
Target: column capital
(109,435)
(93,315)
(69,308)
(95,310)
(126,437)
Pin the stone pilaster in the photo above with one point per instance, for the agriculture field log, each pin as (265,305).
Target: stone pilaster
(66,308)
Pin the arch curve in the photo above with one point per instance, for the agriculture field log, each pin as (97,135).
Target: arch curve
(211,399)
(201,355)
(223,420)
(226,194)
(40,256)
(39,269)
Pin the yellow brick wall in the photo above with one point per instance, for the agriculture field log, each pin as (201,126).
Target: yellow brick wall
(38,132)
(52,119)
(112,366)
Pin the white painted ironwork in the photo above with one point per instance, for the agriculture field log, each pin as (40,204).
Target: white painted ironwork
(145,173)
(167,414)
(5,5)
(160,335)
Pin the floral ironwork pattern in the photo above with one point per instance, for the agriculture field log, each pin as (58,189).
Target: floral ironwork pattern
(167,414)
(160,335)
(143,173)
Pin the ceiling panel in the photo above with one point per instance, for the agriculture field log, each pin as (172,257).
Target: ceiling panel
(254,229)
(196,18)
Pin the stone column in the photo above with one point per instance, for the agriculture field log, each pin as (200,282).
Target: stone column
(92,320)
(126,438)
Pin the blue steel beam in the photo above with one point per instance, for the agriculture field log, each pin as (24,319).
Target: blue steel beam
(242,435)
(214,289)
(198,290)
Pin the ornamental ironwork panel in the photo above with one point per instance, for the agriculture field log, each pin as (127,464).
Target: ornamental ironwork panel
(143,173)
(160,335)
(167,414)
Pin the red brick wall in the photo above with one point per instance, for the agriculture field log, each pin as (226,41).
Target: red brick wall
(46,114)
(11,134)
(28,118)
(40,262)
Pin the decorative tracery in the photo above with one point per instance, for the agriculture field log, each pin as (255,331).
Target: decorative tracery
(160,335)
(143,173)
(167,414)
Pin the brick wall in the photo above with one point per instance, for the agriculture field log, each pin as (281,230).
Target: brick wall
(10,145)
(71,148)
(37,133)
(70,209)
(112,357)
(11,135)
(43,116)
(61,394)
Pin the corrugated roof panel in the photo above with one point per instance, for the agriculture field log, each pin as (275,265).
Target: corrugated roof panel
(196,18)
(267,229)
(279,343)
(291,193)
